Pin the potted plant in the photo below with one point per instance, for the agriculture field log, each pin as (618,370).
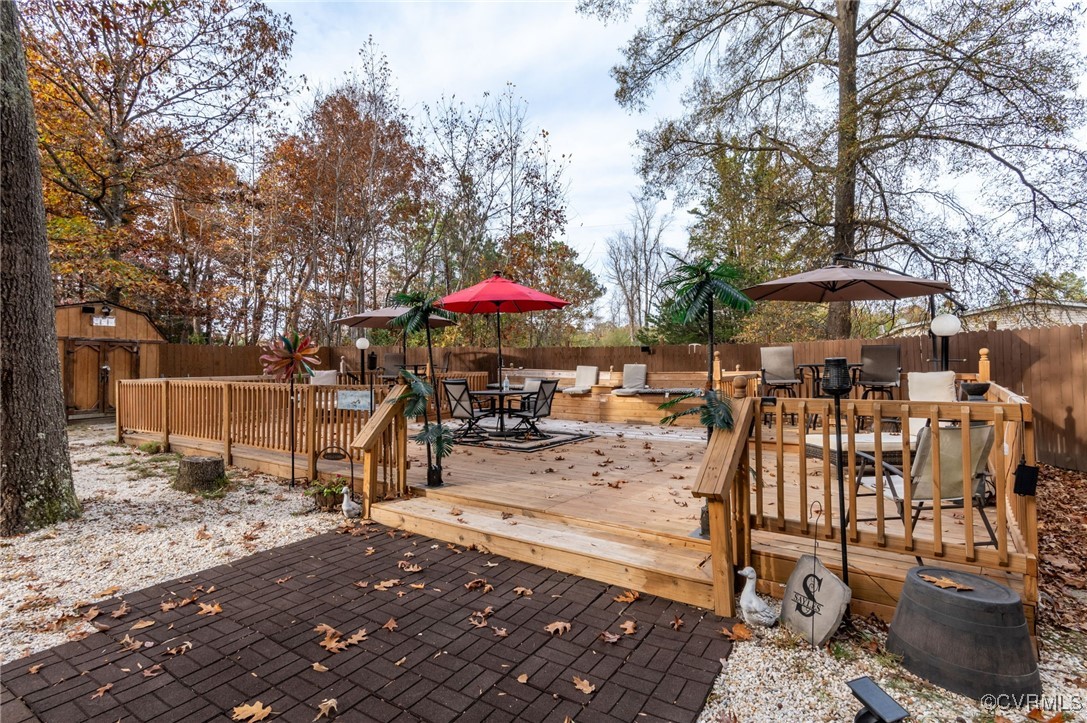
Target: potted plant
(328,494)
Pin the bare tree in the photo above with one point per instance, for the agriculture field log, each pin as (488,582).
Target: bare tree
(875,104)
(35,471)
(635,264)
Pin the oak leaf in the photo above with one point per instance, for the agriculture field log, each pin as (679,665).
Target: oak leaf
(109,591)
(629,627)
(609,637)
(739,632)
(370,551)
(167,605)
(583,685)
(319,668)
(417,585)
(477,622)
(627,597)
(325,708)
(386,584)
(282,580)
(327,629)
(333,645)
(677,622)
(945,582)
(120,612)
(152,671)
(213,609)
(130,644)
(401,661)
(522,591)
(180,649)
(408,566)
(362,583)
(522,678)
(390,625)
(102,691)
(33,669)
(203,534)
(357,637)
(91,613)
(557,628)
(141,624)
(456,511)
(501,633)
(251,712)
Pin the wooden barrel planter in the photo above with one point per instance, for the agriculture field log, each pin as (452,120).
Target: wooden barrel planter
(973,642)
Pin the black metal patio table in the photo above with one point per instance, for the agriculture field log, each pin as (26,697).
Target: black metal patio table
(502,408)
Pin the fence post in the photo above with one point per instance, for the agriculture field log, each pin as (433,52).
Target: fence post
(311,431)
(983,366)
(117,411)
(739,387)
(227,402)
(165,415)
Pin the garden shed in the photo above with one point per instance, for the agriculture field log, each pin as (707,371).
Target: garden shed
(99,344)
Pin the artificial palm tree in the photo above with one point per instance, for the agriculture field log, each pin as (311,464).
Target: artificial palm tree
(695,287)
(437,437)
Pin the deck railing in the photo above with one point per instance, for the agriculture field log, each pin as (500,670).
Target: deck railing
(253,413)
(762,476)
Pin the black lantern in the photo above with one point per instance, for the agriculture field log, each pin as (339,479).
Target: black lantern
(836,379)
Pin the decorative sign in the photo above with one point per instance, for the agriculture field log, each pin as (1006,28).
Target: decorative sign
(815,601)
(354,401)
(103,321)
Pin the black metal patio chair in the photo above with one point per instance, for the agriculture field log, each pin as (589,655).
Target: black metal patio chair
(537,409)
(461,408)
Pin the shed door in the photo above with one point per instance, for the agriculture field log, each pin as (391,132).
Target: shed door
(123,364)
(85,391)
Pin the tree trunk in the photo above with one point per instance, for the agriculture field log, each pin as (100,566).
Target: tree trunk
(35,470)
(845,174)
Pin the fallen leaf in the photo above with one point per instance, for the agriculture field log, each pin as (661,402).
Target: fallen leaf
(417,585)
(362,583)
(282,580)
(583,685)
(91,613)
(390,625)
(33,669)
(203,534)
(121,611)
(326,630)
(357,637)
(739,632)
(152,671)
(141,624)
(102,691)
(558,627)
(408,566)
(129,644)
(456,511)
(945,582)
(401,661)
(627,597)
(319,668)
(386,584)
(477,622)
(109,591)
(501,633)
(522,678)
(180,649)
(609,637)
(370,551)
(213,609)
(168,605)
(677,622)
(251,712)
(333,644)
(629,627)
(522,591)
(325,708)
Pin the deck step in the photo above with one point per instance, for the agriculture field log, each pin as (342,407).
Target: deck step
(673,572)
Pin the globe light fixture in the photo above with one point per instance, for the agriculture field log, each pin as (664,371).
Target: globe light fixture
(945,326)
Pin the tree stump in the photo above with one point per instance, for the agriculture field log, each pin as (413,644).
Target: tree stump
(199,474)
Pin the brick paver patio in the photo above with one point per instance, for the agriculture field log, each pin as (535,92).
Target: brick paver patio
(435,666)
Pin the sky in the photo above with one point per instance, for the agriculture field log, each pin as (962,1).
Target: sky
(558,60)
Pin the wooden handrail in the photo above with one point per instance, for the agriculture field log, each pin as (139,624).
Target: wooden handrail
(384,442)
(722,458)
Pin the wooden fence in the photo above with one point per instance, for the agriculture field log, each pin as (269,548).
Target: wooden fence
(1048,366)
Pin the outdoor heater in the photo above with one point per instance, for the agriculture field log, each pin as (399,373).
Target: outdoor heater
(836,383)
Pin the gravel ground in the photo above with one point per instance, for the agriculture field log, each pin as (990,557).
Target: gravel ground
(777,676)
(135,531)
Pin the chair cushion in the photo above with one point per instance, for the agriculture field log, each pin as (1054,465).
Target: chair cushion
(323,378)
(892,486)
(929,387)
(585,376)
(577,391)
(625,392)
(634,376)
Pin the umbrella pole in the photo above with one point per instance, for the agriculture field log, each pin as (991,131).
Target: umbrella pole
(498,323)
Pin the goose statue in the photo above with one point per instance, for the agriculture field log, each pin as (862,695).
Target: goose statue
(753,608)
(350,507)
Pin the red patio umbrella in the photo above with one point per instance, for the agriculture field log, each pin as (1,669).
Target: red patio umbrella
(496,295)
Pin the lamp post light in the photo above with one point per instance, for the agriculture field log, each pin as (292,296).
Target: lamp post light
(945,326)
(362,344)
(836,382)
